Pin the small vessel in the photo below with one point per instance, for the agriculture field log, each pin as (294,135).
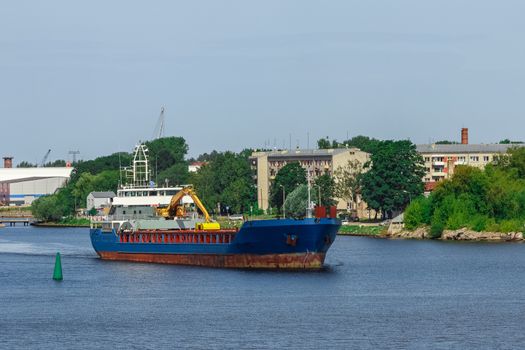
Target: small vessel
(146,231)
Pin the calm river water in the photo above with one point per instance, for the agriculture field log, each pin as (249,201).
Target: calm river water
(375,294)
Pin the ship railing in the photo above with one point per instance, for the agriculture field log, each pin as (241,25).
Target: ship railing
(95,224)
(124,217)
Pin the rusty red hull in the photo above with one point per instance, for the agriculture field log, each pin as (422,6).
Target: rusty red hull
(267,261)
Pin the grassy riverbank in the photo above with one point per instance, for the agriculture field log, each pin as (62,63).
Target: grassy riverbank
(15,212)
(362,230)
(66,222)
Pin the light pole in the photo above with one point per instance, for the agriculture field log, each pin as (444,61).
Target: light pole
(284,198)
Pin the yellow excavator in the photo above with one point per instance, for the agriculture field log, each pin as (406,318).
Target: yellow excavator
(176,209)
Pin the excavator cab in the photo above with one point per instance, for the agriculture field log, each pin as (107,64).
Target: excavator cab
(180,212)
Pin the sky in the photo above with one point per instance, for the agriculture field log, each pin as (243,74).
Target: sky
(92,75)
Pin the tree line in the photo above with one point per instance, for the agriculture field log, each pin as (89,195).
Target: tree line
(492,199)
(226,182)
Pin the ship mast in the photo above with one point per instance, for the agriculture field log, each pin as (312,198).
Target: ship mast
(141,171)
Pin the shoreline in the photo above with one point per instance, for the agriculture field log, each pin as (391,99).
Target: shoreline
(397,231)
(58,225)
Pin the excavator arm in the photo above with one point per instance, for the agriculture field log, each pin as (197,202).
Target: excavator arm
(171,210)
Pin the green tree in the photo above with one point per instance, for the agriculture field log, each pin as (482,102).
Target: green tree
(56,164)
(82,187)
(296,202)
(87,183)
(348,182)
(177,174)
(446,142)
(394,176)
(324,143)
(95,166)
(324,184)
(288,177)
(226,179)
(47,208)
(25,164)
(509,142)
(167,151)
(364,143)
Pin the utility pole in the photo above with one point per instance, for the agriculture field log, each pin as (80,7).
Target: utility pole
(74,154)
(284,199)
(308,140)
(309,207)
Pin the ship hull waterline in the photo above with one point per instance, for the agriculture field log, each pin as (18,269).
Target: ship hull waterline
(238,261)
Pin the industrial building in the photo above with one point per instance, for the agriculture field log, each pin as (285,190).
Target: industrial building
(100,200)
(441,159)
(318,162)
(20,186)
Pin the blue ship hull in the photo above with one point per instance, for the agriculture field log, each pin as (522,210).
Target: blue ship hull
(286,243)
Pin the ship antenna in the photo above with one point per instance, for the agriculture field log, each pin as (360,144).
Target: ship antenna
(120,169)
(309,207)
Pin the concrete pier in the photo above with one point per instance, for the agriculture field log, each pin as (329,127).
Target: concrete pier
(14,221)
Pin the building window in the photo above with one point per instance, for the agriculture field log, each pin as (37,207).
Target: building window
(486,158)
(474,158)
(427,159)
(461,159)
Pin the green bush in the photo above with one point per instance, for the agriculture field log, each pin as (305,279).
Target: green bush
(417,213)
(436,229)
(483,200)
(513,225)
(480,223)
(47,208)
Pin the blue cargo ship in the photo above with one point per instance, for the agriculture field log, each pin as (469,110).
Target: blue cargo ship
(162,225)
(285,243)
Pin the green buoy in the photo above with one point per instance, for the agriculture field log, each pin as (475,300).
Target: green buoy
(57,274)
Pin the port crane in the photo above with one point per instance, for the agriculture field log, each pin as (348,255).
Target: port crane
(44,160)
(159,128)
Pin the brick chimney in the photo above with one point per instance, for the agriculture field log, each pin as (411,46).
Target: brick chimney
(464,136)
(8,162)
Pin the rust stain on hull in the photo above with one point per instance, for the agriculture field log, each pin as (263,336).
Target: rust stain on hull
(267,261)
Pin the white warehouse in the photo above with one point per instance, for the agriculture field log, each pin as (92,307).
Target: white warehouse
(20,186)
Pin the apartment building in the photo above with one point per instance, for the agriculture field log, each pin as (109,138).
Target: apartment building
(319,161)
(441,159)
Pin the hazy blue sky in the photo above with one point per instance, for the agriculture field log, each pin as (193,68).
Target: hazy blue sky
(93,75)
